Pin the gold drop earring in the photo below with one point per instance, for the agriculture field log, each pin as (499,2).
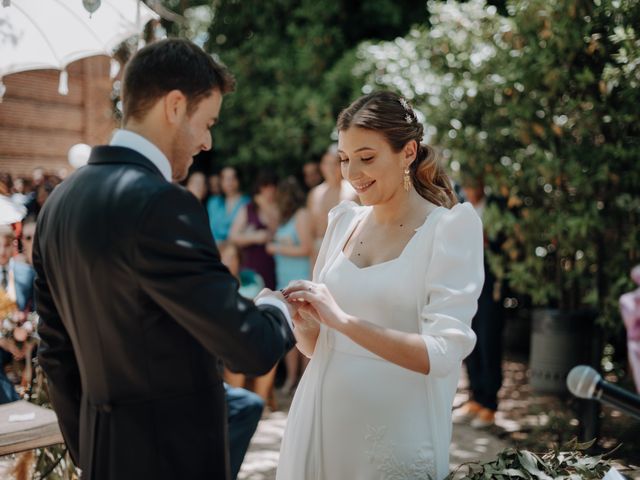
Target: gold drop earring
(407,179)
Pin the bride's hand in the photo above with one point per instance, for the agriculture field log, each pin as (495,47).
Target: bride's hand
(306,318)
(318,303)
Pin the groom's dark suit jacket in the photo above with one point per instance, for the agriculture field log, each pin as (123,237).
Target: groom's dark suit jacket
(136,312)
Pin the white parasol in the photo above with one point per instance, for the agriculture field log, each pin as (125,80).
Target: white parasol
(51,34)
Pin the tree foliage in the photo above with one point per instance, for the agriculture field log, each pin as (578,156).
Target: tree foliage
(293,60)
(542,103)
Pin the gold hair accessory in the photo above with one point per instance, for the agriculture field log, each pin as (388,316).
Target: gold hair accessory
(406,180)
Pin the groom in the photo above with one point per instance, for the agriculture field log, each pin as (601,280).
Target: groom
(136,308)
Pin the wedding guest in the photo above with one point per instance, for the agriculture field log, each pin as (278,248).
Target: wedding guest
(213,182)
(484,364)
(197,184)
(6,185)
(630,310)
(252,229)
(327,195)
(224,208)
(255,226)
(37,177)
(8,349)
(22,193)
(291,249)
(311,174)
(42,193)
(26,239)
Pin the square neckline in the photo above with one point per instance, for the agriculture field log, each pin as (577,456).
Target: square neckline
(352,228)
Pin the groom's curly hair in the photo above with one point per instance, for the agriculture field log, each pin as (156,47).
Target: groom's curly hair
(171,64)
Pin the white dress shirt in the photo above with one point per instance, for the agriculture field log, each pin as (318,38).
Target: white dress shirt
(129,139)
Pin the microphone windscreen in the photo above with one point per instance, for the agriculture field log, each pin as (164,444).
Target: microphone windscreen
(582,381)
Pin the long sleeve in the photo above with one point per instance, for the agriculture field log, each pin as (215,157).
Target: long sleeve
(180,269)
(58,360)
(454,281)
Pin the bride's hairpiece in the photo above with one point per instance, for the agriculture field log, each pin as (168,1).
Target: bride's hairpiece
(408,117)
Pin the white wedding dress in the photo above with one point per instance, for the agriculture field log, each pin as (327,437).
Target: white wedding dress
(357,416)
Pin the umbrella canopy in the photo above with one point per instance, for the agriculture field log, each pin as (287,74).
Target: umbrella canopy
(10,212)
(51,34)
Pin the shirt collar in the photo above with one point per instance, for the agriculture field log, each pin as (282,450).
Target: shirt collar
(129,139)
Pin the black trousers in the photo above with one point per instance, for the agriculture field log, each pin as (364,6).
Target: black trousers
(484,365)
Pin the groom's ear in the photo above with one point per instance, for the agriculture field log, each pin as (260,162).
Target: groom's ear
(175,106)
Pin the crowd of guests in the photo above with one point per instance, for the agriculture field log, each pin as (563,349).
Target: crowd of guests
(21,197)
(30,191)
(267,236)
(270,235)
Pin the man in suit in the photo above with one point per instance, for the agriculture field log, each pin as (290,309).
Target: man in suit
(136,308)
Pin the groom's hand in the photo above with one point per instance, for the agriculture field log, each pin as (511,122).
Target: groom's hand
(265,292)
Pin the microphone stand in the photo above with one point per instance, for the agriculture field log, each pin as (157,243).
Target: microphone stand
(589,410)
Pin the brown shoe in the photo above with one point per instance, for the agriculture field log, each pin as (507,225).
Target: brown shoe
(485,418)
(466,413)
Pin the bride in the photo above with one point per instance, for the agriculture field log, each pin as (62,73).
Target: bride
(386,320)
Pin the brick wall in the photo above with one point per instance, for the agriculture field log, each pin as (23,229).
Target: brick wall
(38,125)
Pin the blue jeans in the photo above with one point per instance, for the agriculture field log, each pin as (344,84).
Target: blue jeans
(7,392)
(244,410)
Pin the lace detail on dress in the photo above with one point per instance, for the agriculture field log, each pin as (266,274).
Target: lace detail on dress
(384,457)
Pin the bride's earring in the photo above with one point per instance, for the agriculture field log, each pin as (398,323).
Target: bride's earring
(407,179)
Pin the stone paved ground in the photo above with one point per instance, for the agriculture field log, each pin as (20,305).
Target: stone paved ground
(468,444)
(525,419)
(262,458)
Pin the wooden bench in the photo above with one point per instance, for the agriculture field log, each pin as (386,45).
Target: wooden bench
(25,426)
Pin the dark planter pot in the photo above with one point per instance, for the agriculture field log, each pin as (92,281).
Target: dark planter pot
(559,341)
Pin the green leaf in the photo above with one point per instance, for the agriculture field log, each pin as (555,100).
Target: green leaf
(530,462)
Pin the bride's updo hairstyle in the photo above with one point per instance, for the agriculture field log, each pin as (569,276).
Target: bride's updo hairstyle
(390,114)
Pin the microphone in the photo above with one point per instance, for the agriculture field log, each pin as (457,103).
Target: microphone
(584,382)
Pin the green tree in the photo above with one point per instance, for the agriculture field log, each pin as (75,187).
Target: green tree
(543,103)
(293,60)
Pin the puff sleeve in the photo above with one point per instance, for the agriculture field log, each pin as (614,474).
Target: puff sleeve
(454,280)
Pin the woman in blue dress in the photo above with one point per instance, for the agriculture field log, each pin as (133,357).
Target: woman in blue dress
(223,209)
(291,249)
